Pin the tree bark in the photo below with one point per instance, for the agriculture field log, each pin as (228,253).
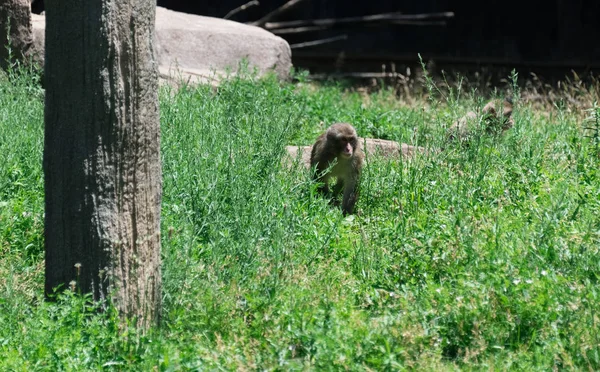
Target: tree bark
(15,31)
(102,153)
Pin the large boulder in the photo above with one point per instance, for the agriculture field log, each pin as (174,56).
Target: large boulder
(198,48)
(38,27)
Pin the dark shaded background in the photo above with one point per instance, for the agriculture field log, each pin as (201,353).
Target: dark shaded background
(559,34)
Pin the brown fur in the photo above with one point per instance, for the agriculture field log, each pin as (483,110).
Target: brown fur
(340,139)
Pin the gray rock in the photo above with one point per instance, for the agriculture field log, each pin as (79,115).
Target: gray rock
(201,46)
(38,26)
(202,49)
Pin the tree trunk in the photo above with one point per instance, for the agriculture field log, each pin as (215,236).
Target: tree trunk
(15,27)
(102,155)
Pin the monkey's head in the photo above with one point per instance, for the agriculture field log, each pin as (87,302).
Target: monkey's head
(506,106)
(497,114)
(343,139)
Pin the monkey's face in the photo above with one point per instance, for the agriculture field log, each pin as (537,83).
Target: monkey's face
(343,139)
(347,149)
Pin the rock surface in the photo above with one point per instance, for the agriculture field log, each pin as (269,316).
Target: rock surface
(200,46)
(377,147)
(201,49)
(38,26)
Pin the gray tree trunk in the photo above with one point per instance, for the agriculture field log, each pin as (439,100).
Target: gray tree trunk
(101,153)
(15,30)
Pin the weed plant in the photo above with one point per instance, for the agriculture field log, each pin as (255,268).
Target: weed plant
(475,257)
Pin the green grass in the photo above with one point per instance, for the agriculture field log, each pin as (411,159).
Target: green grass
(478,257)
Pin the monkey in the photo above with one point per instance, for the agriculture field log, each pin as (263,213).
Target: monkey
(337,153)
(494,122)
(498,122)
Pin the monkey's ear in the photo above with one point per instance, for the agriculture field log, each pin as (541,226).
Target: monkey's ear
(331,135)
(489,108)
